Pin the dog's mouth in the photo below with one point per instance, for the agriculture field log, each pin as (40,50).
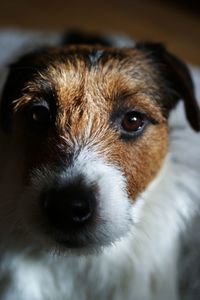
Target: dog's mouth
(72,243)
(77,237)
(84,241)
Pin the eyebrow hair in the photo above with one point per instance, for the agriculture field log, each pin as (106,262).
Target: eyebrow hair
(124,95)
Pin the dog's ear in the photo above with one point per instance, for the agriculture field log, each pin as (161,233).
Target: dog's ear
(177,78)
(19,73)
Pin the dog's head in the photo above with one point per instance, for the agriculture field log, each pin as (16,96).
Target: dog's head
(86,131)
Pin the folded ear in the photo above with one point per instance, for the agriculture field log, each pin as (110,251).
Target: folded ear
(177,77)
(12,90)
(19,73)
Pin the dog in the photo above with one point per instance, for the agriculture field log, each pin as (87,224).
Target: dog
(99,180)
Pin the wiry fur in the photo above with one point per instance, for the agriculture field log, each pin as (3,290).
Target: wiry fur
(145,264)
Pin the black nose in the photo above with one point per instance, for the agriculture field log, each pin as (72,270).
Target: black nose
(70,207)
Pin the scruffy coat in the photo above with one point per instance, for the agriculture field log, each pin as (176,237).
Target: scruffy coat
(149,248)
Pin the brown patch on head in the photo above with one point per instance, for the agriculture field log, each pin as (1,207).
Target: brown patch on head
(88,91)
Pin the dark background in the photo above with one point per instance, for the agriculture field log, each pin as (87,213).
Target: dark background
(176,23)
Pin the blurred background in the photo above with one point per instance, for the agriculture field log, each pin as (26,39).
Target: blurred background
(174,22)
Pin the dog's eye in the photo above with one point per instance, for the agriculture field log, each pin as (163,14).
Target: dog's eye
(39,116)
(133,122)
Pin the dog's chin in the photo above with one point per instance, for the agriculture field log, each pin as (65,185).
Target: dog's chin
(71,246)
(73,243)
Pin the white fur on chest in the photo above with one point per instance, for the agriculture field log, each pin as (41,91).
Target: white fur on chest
(119,273)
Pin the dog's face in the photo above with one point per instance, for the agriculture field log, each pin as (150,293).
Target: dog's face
(86,128)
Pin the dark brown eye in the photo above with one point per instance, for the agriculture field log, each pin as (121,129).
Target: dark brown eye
(133,121)
(39,116)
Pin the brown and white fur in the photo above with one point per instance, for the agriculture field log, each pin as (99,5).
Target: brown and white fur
(65,135)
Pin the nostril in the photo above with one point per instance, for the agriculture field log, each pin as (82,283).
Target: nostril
(68,208)
(81,210)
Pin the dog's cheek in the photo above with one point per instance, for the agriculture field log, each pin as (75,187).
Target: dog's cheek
(141,159)
(38,150)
